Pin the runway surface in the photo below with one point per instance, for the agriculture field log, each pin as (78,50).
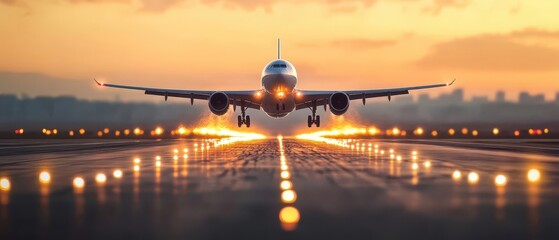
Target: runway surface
(278,189)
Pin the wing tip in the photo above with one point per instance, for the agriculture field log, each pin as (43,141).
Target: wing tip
(448,84)
(98,83)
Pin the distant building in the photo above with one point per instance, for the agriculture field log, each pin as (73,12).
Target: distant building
(480,100)
(457,96)
(526,98)
(500,97)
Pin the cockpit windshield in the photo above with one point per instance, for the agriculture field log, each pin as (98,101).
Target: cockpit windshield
(279,65)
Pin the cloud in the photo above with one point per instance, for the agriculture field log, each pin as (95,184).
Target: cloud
(494,52)
(439,5)
(358,44)
(535,33)
(335,6)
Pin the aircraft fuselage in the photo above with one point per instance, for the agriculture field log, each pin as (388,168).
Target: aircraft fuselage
(279,81)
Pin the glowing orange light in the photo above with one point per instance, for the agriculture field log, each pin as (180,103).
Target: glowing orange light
(286,185)
(464,131)
(500,180)
(137,131)
(395,131)
(71,133)
(258,94)
(434,133)
(419,131)
(285,174)
(126,132)
(414,166)
(534,175)
(158,163)
(136,168)
(106,131)
(117,173)
(44,177)
(546,131)
(531,131)
(5,184)
(281,94)
(78,182)
(44,130)
(473,177)
(82,131)
(495,131)
(456,175)
(99,134)
(475,133)
(516,133)
(427,164)
(288,196)
(158,131)
(451,131)
(182,130)
(100,178)
(299,94)
(289,215)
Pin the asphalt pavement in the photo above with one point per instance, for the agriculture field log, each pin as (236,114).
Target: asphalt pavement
(278,188)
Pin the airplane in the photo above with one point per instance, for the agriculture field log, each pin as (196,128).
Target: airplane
(278,95)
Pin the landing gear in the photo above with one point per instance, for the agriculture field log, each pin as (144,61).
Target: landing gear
(243,119)
(314,119)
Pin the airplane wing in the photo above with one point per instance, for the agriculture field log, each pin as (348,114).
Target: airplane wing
(309,97)
(238,98)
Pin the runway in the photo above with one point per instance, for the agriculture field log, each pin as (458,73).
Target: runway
(279,188)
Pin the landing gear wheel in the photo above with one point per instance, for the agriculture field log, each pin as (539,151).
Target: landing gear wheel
(247,121)
(239,121)
(309,121)
(317,121)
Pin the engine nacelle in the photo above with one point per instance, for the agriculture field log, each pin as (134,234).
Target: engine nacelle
(339,103)
(218,103)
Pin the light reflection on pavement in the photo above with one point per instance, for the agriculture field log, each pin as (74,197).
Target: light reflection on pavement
(274,188)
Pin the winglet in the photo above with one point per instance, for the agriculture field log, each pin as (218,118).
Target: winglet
(448,84)
(98,83)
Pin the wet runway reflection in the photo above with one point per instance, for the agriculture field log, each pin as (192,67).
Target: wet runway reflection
(282,187)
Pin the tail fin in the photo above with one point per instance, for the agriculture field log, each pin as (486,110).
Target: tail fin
(279,49)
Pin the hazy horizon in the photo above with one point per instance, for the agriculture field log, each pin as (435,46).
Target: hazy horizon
(365,44)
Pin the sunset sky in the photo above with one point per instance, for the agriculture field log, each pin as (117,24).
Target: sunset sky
(488,45)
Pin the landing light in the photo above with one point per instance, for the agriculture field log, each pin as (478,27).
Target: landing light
(78,182)
(534,175)
(288,196)
(44,177)
(473,177)
(456,175)
(5,184)
(501,180)
(289,215)
(117,173)
(100,178)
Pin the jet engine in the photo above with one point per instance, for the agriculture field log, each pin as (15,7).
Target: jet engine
(339,103)
(218,103)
